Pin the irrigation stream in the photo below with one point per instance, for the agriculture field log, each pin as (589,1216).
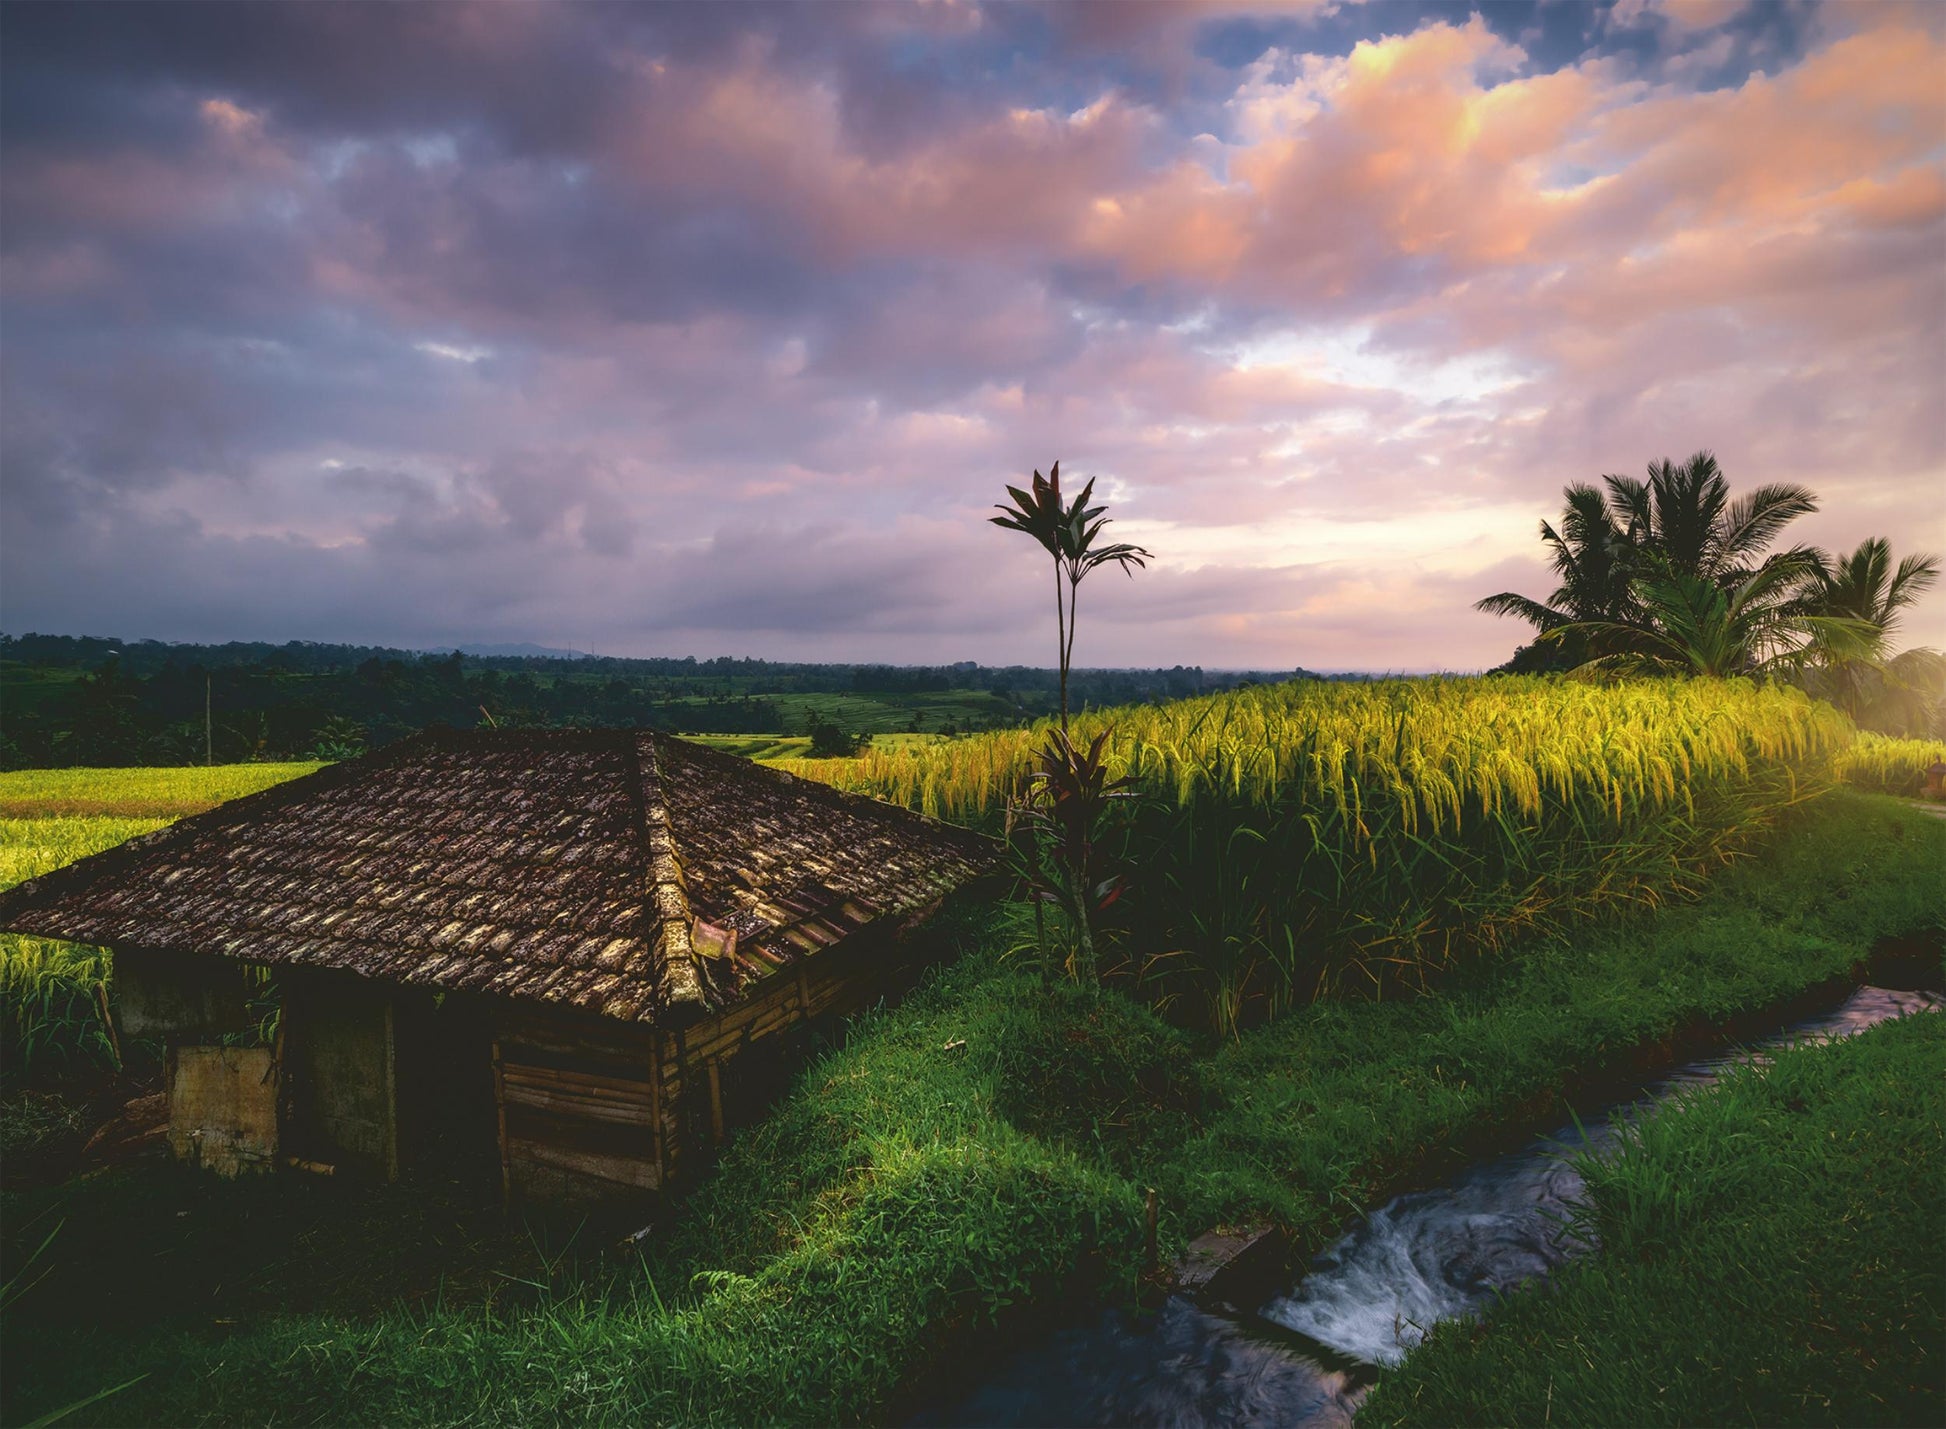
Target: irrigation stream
(1305,1357)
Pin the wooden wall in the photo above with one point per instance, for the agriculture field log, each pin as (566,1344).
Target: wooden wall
(593,1110)
(583,1109)
(579,1108)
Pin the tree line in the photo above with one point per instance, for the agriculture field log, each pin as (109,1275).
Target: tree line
(87,700)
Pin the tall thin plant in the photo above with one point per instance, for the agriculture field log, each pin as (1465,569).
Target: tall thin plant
(1069,791)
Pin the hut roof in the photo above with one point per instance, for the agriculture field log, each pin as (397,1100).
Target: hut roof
(617,872)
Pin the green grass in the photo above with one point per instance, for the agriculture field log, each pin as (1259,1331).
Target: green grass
(1406,1083)
(757,746)
(1770,1254)
(982,1148)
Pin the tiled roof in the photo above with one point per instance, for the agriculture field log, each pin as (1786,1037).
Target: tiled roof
(618,872)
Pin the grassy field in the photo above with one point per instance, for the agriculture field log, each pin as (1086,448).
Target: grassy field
(981,1148)
(1769,1254)
(1293,839)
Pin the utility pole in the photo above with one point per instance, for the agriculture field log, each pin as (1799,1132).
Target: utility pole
(209,745)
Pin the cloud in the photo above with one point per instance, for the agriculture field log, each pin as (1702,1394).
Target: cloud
(717,328)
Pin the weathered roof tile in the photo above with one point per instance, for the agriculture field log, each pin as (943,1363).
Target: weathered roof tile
(563,867)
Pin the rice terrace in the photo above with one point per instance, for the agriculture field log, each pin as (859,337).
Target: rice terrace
(554,867)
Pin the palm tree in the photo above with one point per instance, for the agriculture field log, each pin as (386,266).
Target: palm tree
(1590,559)
(1685,623)
(1680,522)
(1865,587)
(1684,515)
(1067,532)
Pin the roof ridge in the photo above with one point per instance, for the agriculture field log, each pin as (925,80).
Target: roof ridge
(679,983)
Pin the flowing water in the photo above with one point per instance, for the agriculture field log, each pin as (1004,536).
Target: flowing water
(1304,1357)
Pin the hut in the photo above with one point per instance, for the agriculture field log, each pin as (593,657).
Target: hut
(573,959)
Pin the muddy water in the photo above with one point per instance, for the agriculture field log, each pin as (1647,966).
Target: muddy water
(1303,1358)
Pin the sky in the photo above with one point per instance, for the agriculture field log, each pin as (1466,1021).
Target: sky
(718,329)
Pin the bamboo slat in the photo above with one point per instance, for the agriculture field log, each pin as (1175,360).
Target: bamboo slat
(580,1107)
(590,1082)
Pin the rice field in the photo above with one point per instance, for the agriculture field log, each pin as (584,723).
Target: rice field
(53,994)
(1291,841)
(1889,766)
(135,793)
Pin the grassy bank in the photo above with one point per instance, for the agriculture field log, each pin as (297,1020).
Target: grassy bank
(770,748)
(1769,1255)
(978,1149)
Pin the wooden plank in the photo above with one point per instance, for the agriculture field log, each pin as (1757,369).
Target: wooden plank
(621,1170)
(655,1114)
(581,1133)
(714,1043)
(567,1098)
(588,1082)
(500,1111)
(682,1077)
(391,1096)
(715,1102)
(772,1022)
(578,1107)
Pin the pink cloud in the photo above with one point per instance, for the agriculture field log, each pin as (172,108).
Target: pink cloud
(1395,297)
